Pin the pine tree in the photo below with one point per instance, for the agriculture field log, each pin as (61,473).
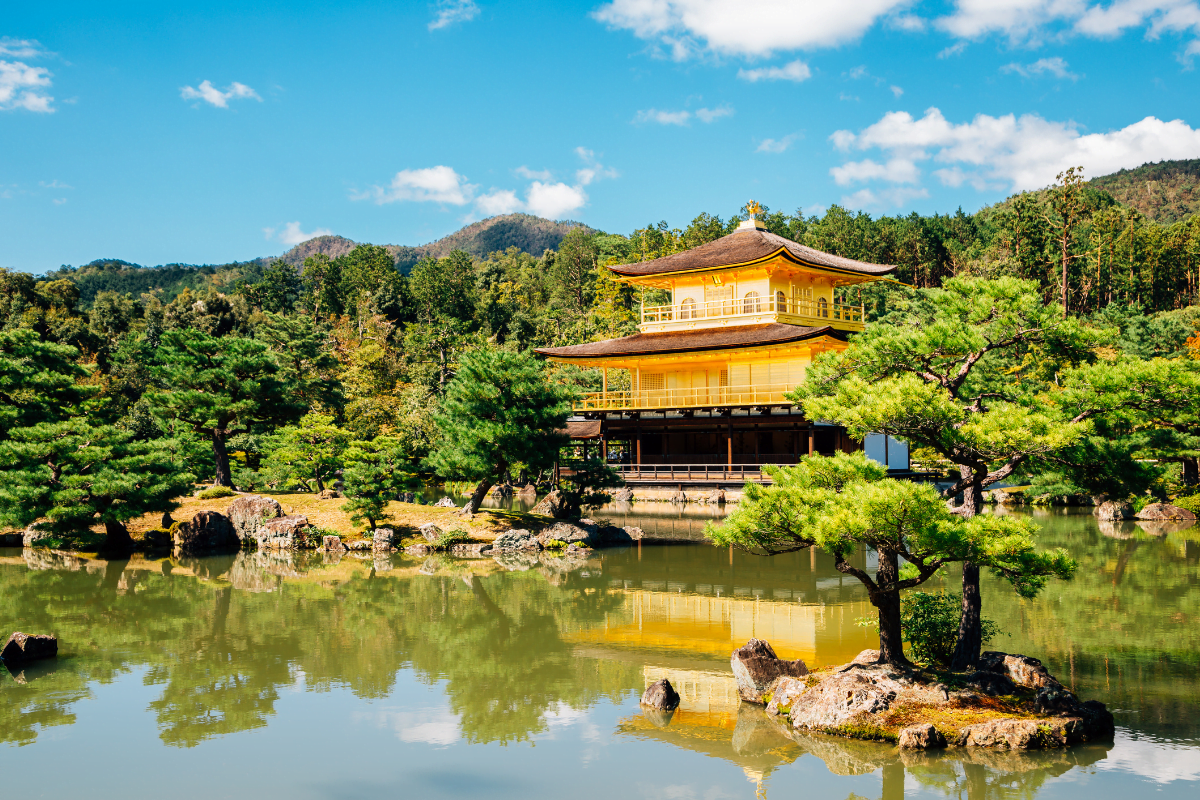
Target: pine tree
(220,387)
(500,410)
(373,476)
(310,449)
(38,380)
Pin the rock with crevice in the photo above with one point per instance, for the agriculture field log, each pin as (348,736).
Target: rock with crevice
(287,533)
(661,695)
(328,494)
(206,532)
(445,502)
(756,668)
(332,543)
(430,532)
(517,539)
(249,513)
(1021,670)
(384,539)
(551,505)
(922,736)
(1114,510)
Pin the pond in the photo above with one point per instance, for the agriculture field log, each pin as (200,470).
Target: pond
(338,677)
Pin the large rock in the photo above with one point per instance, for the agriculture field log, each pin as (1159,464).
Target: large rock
(528,493)
(661,695)
(1021,670)
(849,697)
(328,494)
(1165,511)
(287,533)
(31,536)
(431,532)
(445,502)
(756,668)
(1113,510)
(550,505)
(517,539)
(24,647)
(384,539)
(207,532)
(921,737)
(332,543)
(250,512)
(623,495)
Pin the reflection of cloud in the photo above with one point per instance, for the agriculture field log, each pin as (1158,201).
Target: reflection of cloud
(1156,761)
(433,725)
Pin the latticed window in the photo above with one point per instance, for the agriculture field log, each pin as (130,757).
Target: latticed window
(780,301)
(718,300)
(822,307)
(687,309)
(654,381)
(751,305)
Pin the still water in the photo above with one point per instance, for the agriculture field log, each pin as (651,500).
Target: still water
(322,677)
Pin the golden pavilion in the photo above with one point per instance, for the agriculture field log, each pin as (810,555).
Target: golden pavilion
(707,373)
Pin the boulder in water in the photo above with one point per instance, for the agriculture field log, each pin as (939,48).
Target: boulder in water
(1112,510)
(287,533)
(1165,511)
(517,539)
(431,532)
(661,695)
(250,512)
(756,668)
(384,539)
(921,737)
(207,532)
(445,502)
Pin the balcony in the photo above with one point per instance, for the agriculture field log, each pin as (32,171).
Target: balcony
(751,311)
(711,397)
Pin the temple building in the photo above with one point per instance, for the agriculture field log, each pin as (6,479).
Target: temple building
(707,373)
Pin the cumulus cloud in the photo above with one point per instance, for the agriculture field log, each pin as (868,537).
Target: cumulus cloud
(544,195)
(1032,20)
(682,117)
(293,235)
(738,28)
(897,91)
(776,145)
(1055,66)
(215,97)
(882,198)
(439,184)
(21,85)
(792,71)
(1018,153)
(450,12)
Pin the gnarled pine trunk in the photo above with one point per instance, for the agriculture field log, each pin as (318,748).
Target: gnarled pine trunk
(970,626)
(477,496)
(891,636)
(221,457)
(117,537)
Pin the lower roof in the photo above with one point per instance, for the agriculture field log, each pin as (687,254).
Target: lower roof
(646,344)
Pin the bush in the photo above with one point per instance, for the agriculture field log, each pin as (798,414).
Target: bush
(930,624)
(450,538)
(214,492)
(1191,504)
(555,544)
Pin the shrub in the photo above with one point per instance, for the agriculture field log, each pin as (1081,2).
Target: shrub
(930,624)
(450,538)
(1191,504)
(214,492)
(555,544)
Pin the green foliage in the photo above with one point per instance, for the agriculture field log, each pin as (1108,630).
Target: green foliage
(584,485)
(373,476)
(39,381)
(73,474)
(310,449)
(215,492)
(1190,503)
(930,621)
(450,538)
(498,411)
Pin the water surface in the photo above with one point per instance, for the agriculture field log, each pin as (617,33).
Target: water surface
(322,677)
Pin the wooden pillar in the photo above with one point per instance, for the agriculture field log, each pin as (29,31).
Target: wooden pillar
(729,443)
(810,440)
(639,440)
(604,380)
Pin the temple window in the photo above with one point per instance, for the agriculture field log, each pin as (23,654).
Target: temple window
(780,302)
(751,305)
(822,307)
(687,309)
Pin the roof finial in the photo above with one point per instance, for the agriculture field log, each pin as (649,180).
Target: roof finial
(751,223)
(753,209)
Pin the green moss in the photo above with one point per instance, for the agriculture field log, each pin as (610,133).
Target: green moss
(872,733)
(214,492)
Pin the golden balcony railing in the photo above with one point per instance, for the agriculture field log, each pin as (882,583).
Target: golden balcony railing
(816,312)
(761,394)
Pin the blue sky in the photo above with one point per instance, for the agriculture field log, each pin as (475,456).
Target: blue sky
(203,133)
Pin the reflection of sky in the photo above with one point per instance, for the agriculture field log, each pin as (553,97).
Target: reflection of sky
(1157,761)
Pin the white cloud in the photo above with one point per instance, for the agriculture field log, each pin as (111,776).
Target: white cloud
(58,201)
(707,115)
(1021,152)
(682,117)
(897,91)
(553,200)
(1033,20)
(533,175)
(952,50)
(450,12)
(792,71)
(54,184)
(592,169)
(498,201)
(776,145)
(292,235)
(215,97)
(23,86)
(896,170)
(908,22)
(735,27)
(1055,66)
(439,184)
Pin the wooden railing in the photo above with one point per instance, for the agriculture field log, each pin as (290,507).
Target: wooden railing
(814,310)
(692,472)
(761,394)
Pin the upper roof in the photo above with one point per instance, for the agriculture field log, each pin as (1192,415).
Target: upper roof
(644,344)
(745,246)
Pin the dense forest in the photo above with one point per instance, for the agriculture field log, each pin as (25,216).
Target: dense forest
(361,346)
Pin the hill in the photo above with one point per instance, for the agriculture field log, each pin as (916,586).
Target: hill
(534,235)
(1165,192)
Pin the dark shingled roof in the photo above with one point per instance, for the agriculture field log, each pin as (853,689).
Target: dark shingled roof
(644,344)
(582,428)
(743,246)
